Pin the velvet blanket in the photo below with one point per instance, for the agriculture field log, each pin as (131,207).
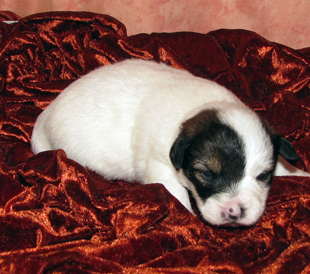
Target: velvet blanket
(58,217)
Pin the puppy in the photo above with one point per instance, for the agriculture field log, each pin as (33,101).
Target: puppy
(143,121)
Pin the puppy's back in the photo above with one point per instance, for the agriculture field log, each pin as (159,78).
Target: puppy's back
(109,119)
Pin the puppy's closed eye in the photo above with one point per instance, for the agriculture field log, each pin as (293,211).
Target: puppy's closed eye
(206,171)
(264,176)
(205,175)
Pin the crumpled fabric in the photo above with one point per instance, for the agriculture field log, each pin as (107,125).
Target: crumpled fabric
(58,217)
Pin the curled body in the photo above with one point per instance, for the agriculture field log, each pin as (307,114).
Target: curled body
(144,121)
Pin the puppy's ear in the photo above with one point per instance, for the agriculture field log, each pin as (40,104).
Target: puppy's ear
(281,146)
(178,149)
(286,150)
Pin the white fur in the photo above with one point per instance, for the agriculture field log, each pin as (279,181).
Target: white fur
(121,121)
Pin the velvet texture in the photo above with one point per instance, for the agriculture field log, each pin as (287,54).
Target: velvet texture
(58,217)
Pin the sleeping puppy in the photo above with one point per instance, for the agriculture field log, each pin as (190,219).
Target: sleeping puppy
(143,121)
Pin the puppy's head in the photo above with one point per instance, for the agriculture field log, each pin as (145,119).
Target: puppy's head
(226,159)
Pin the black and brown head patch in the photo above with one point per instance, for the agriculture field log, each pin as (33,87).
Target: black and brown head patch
(210,153)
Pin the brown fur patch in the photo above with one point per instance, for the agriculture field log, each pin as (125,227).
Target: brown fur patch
(210,163)
(199,122)
(214,164)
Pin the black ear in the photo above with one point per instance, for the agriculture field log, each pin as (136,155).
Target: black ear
(286,150)
(282,146)
(178,149)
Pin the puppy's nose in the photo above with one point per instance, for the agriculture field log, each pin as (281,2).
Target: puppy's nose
(232,211)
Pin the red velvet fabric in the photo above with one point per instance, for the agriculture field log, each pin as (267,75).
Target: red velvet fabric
(58,217)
